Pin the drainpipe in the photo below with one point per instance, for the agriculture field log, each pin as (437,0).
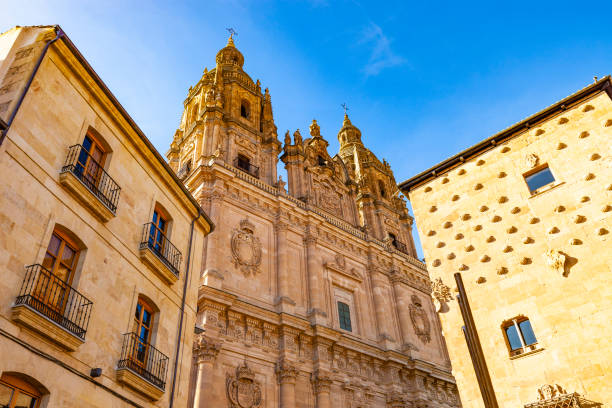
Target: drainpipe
(58,34)
(182,312)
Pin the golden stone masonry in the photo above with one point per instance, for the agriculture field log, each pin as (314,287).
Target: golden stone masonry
(116,296)
(525,218)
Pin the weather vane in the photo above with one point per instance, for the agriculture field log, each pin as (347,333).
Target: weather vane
(231,31)
(345,106)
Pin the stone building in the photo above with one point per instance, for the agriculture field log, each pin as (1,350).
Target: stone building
(524,218)
(311,297)
(98,241)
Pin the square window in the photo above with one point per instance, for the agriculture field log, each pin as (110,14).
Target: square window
(539,179)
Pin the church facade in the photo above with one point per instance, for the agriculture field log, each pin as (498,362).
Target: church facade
(310,292)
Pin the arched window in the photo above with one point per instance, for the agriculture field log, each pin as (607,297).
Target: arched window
(92,157)
(381,188)
(16,392)
(194,113)
(245,109)
(321,161)
(393,239)
(59,266)
(142,328)
(159,229)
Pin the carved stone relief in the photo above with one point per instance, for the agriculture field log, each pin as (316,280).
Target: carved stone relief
(246,248)
(440,293)
(531,160)
(556,261)
(548,391)
(420,322)
(242,389)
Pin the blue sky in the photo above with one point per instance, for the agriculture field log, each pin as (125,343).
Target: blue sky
(423,80)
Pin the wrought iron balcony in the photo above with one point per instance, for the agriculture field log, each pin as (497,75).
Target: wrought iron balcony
(80,163)
(154,239)
(246,167)
(144,360)
(53,298)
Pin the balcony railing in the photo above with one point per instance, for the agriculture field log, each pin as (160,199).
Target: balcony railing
(154,239)
(80,163)
(400,246)
(144,360)
(52,297)
(246,167)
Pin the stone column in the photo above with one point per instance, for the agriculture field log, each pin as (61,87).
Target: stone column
(210,276)
(287,373)
(378,294)
(322,388)
(283,300)
(403,310)
(315,285)
(205,351)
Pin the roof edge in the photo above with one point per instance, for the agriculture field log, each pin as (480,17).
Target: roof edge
(133,124)
(602,85)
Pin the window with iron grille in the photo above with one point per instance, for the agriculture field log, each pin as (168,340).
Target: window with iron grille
(344,316)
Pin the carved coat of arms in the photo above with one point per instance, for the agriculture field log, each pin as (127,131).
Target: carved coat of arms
(420,322)
(242,389)
(246,248)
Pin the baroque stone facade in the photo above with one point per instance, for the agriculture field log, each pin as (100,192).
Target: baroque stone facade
(540,254)
(281,263)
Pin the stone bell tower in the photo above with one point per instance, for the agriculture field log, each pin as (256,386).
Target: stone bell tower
(379,206)
(227,118)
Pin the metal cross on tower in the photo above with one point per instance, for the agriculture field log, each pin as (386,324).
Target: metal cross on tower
(231,31)
(345,106)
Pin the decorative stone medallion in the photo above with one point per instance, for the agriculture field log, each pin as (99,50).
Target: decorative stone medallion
(420,322)
(242,389)
(246,248)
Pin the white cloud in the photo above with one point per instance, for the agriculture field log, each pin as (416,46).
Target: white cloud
(381,54)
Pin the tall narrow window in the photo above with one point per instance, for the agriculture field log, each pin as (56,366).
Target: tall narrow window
(143,322)
(539,179)
(91,160)
(157,234)
(16,393)
(393,239)
(321,161)
(344,316)
(59,264)
(519,335)
(245,109)
(244,162)
(381,188)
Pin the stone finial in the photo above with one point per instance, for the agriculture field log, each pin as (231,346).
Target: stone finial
(297,137)
(315,130)
(287,138)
